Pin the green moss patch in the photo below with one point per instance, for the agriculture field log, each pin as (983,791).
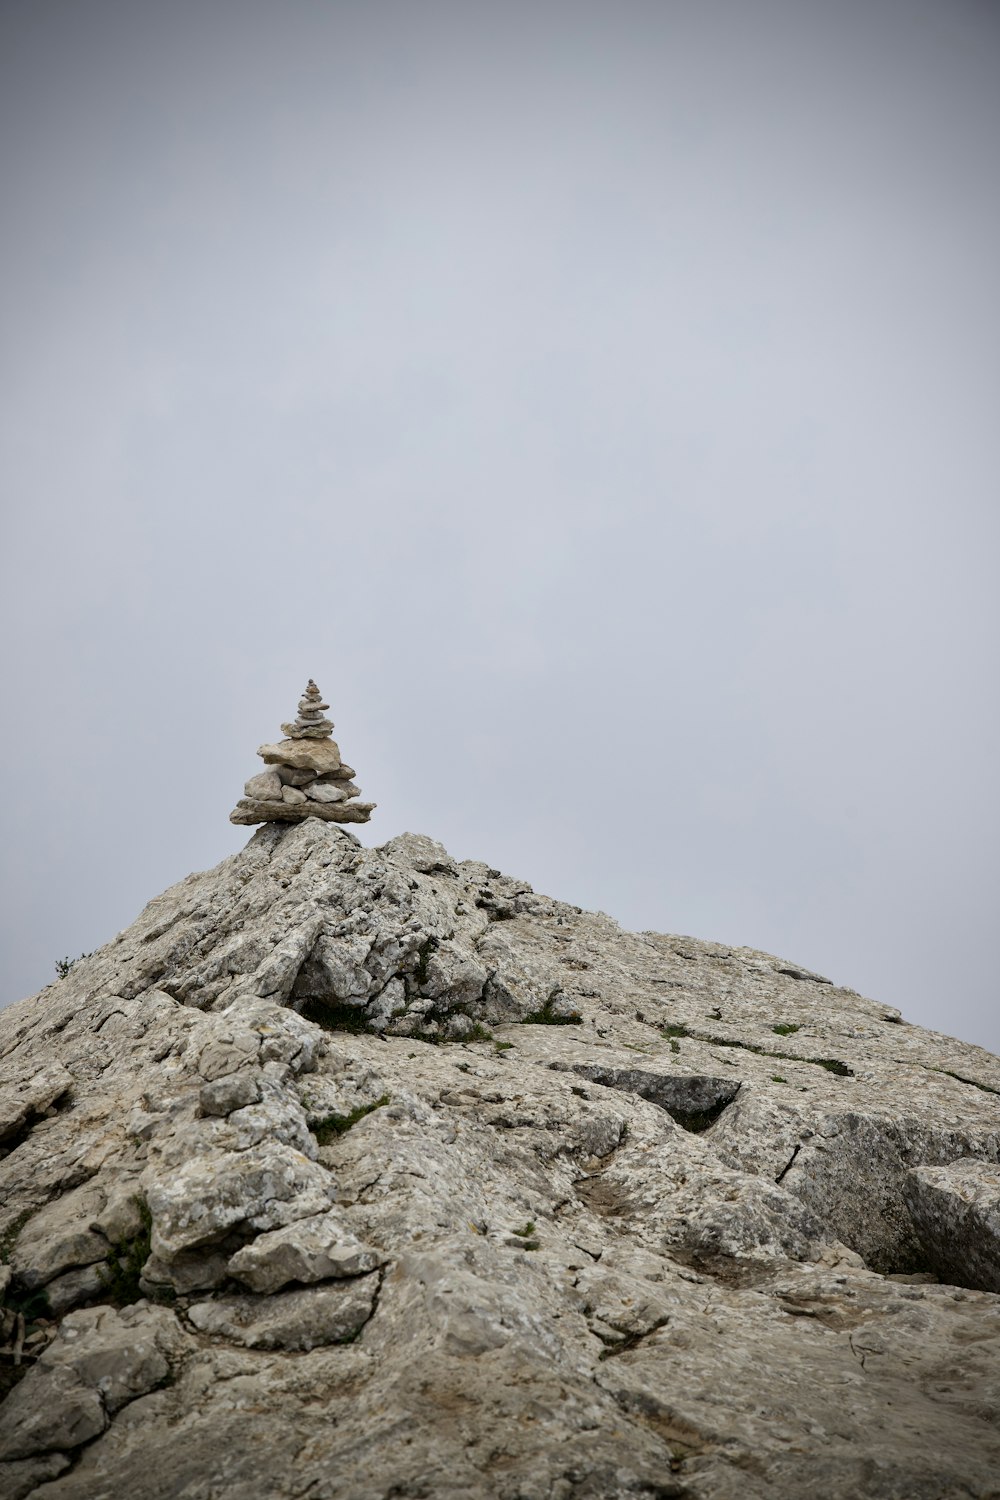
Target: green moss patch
(332,1126)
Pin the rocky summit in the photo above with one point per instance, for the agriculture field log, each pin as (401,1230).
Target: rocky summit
(349,1174)
(305,776)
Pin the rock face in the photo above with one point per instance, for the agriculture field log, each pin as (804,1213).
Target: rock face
(305,776)
(360,1173)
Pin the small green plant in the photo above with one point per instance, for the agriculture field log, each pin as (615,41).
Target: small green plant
(331,1126)
(672,1034)
(123,1267)
(63,965)
(503,1046)
(986,1088)
(331,1015)
(427,947)
(9,1237)
(547,1015)
(526,1232)
(478,1033)
(785,1029)
(777,1078)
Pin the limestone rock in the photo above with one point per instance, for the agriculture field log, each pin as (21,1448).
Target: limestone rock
(956,1211)
(264,787)
(305,777)
(327,791)
(49,1410)
(310,723)
(100,1361)
(206,1196)
(303,755)
(23,1098)
(524,1205)
(59,1238)
(305,1319)
(282,812)
(309,1250)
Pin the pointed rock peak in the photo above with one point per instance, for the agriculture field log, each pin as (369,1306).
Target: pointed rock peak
(304,776)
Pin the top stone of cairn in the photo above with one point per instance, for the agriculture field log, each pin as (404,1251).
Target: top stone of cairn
(304,776)
(310,723)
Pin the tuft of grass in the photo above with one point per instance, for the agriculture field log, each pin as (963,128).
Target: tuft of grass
(427,947)
(332,1015)
(671,1034)
(547,1015)
(9,1237)
(777,1078)
(527,1236)
(479,1033)
(123,1267)
(973,1082)
(331,1126)
(503,1046)
(831,1064)
(785,1029)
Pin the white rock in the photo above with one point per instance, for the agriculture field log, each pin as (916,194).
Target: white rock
(292,795)
(314,1249)
(24,1097)
(326,791)
(263,787)
(306,1319)
(202,1199)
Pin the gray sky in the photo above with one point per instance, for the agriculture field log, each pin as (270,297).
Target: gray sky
(598,400)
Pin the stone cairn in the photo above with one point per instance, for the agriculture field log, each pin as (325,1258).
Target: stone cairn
(305,776)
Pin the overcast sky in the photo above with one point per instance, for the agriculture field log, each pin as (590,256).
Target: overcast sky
(600,400)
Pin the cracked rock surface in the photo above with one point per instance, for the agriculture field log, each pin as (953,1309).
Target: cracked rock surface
(352,1173)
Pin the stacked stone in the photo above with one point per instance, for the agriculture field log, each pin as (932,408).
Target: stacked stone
(305,776)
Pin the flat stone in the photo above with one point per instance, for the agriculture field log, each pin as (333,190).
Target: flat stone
(327,791)
(343,773)
(299,1320)
(48,1411)
(265,785)
(292,795)
(22,1477)
(299,731)
(247,812)
(303,755)
(59,1238)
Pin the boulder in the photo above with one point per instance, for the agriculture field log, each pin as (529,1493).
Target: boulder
(314,1249)
(956,1211)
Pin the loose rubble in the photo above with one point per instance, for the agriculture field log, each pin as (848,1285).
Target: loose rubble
(364,1173)
(306,777)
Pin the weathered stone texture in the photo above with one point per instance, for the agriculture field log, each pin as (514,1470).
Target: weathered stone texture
(451,1189)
